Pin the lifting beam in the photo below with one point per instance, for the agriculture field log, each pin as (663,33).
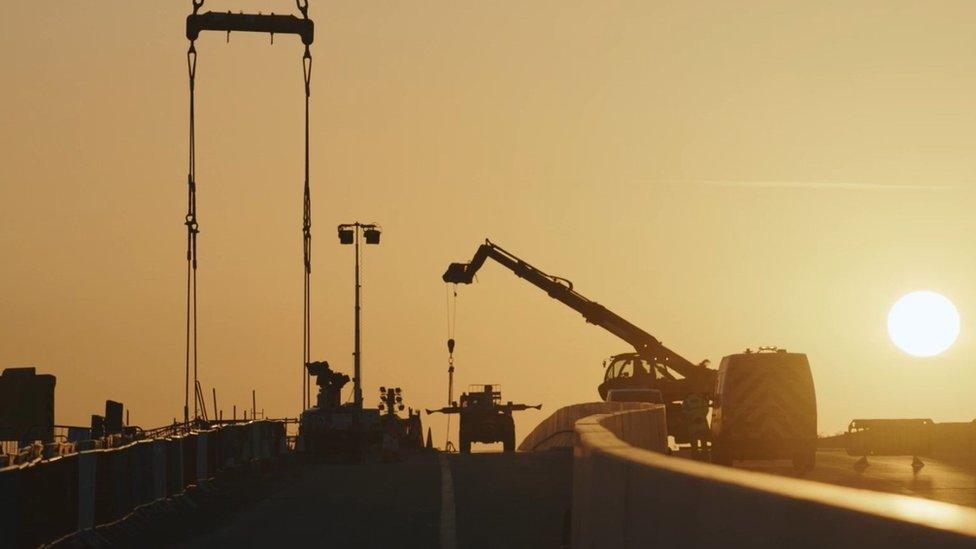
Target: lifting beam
(249,22)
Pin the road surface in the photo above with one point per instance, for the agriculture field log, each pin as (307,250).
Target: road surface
(495,500)
(500,500)
(938,480)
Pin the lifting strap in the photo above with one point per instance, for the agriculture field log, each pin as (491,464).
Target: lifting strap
(192,229)
(281,24)
(306,237)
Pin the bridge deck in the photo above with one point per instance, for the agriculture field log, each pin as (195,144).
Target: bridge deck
(938,480)
(501,500)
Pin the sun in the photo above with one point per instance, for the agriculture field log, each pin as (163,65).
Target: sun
(923,323)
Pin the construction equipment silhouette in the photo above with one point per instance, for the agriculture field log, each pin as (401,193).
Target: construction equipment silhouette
(687,388)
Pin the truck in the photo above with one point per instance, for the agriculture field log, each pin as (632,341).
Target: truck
(765,407)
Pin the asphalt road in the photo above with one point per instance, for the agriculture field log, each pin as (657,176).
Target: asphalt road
(501,500)
(938,480)
(512,500)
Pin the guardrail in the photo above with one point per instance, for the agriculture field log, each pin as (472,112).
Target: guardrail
(625,495)
(47,499)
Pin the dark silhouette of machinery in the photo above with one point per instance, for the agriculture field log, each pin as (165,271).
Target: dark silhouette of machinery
(407,432)
(889,437)
(685,386)
(484,418)
(688,390)
(331,427)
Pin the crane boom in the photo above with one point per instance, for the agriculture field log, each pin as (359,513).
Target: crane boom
(561,289)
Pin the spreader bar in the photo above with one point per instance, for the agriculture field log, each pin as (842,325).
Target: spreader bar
(249,22)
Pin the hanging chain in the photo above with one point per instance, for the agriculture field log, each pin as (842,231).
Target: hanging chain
(451,324)
(192,228)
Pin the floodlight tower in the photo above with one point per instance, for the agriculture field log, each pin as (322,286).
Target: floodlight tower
(349,233)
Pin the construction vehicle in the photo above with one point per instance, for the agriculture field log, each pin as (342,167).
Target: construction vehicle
(407,432)
(484,418)
(889,437)
(765,407)
(333,428)
(685,386)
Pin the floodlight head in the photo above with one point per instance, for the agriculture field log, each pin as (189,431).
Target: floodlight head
(346,234)
(372,235)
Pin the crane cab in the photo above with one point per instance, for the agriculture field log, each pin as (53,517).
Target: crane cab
(631,371)
(631,374)
(765,407)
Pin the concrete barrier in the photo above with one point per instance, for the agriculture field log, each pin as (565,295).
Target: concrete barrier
(159,481)
(556,431)
(87,471)
(44,499)
(201,461)
(628,496)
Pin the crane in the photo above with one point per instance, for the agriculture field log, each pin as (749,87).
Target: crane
(686,387)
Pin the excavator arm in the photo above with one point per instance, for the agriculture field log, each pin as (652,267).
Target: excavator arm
(561,289)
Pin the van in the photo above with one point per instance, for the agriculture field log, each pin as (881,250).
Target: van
(765,407)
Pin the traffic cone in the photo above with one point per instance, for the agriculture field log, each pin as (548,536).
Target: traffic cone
(430,441)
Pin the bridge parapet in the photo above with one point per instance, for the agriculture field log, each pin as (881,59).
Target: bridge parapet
(45,499)
(557,430)
(628,496)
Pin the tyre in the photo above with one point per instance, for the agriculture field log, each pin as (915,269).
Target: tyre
(509,442)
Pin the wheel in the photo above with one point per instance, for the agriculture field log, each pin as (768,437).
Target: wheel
(509,442)
(804,460)
(721,455)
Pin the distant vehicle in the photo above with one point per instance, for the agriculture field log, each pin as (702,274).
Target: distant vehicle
(635,395)
(765,407)
(889,437)
(484,418)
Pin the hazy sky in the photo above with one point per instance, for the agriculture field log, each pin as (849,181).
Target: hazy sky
(725,176)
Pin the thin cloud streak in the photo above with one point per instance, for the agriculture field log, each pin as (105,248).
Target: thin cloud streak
(823,185)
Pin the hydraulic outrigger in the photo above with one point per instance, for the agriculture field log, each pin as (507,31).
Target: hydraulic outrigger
(686,387)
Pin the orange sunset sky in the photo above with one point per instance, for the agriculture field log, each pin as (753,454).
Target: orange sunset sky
(725,175)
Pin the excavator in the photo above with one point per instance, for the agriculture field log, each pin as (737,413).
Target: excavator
(685,387)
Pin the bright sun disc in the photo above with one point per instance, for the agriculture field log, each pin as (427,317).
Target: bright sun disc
(923,323)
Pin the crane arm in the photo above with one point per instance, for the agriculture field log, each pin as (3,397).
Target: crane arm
(562,290)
